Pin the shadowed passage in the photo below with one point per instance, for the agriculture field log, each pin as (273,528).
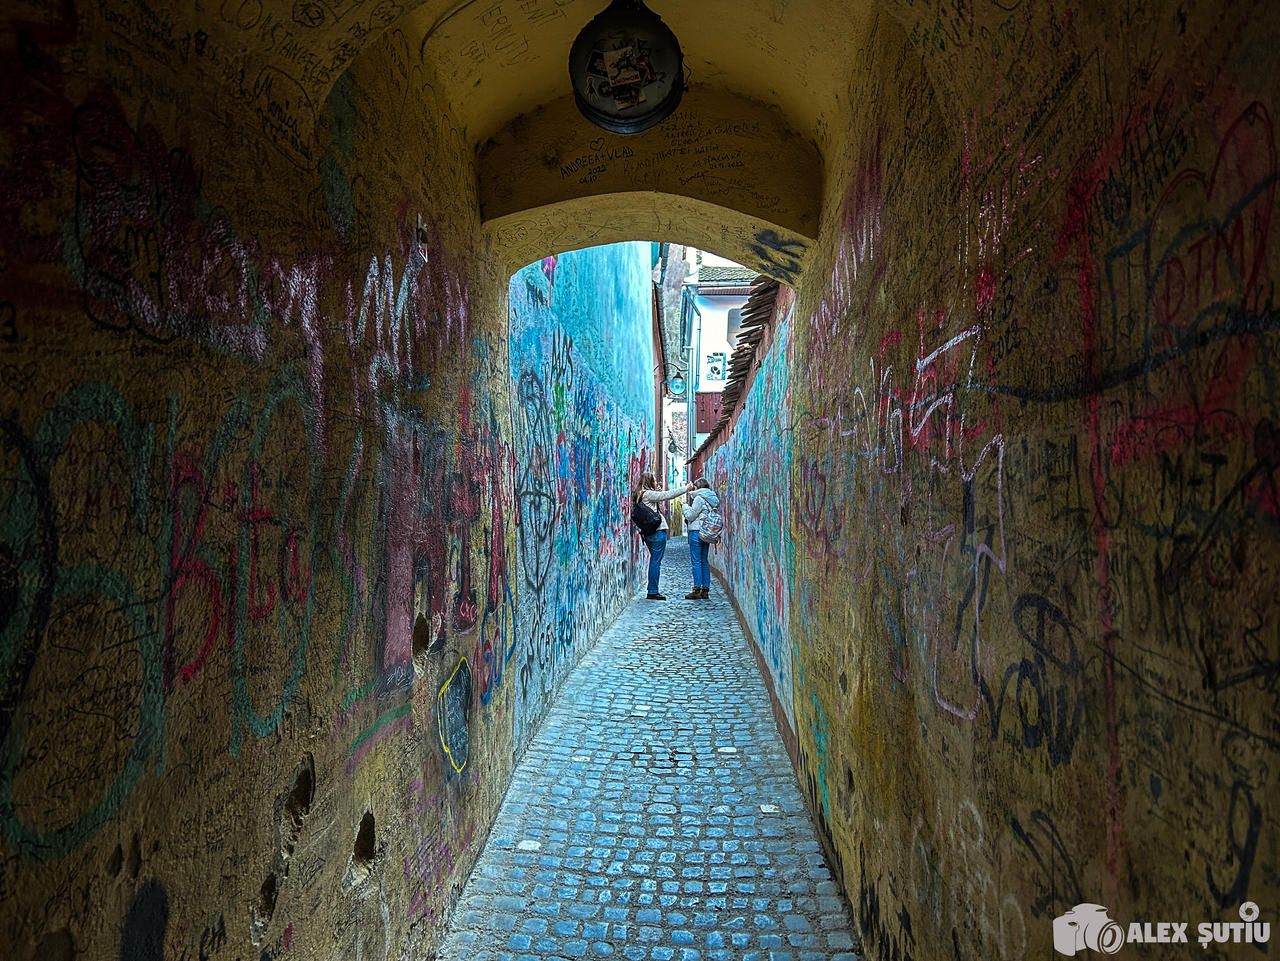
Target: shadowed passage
(655,815)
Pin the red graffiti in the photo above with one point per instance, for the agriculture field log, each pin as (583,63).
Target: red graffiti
(186,568)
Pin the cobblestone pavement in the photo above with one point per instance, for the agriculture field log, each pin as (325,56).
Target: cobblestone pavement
(656,814)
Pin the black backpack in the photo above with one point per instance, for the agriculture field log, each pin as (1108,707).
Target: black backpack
(646,518)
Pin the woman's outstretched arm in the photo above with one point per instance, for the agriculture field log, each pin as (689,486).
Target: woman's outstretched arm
(659,496)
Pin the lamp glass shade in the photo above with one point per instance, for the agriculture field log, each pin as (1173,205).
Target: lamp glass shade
(626,68)
(676,385)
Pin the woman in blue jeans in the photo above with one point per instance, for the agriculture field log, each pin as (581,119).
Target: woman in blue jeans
(657,541)
(704,501)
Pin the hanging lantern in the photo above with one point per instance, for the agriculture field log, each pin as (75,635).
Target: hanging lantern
(627,68)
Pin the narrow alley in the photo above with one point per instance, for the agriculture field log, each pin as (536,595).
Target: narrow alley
(655,814)
(354,355)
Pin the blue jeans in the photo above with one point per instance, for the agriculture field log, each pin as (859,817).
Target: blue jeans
(657,544)
(698,557)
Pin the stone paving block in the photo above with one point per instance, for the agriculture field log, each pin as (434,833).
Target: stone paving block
(659,815)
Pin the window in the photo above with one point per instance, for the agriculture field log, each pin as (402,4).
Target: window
(735,325)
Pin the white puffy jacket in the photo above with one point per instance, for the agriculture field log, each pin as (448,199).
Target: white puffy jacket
(704,500)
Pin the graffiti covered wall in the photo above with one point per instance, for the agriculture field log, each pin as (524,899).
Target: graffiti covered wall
(256,483)
(752,472)
(582,364)
(261,467)
(1032,569)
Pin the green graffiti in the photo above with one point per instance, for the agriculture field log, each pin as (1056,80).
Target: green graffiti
(85,404)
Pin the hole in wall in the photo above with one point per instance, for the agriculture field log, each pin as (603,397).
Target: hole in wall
(365,850)
(267,897)
(429,639)
(421,637)
(298,804)
(264,908)
(116,862)
(366,840)
(292,809)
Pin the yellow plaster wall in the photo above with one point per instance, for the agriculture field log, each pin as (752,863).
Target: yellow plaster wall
(252,333)
(1031,415)
(256,501)
(718,148)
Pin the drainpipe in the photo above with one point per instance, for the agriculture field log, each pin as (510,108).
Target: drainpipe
(659,387)
(688,308)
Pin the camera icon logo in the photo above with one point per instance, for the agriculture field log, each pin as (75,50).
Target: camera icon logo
(1087,926)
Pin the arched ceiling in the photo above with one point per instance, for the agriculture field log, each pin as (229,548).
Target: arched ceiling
(498,59)
(721,159)
(501,59)
(768,84)
(744,148)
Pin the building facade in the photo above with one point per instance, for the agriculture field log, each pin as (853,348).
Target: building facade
(711,295)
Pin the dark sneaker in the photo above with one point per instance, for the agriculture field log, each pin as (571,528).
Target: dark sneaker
(655,597)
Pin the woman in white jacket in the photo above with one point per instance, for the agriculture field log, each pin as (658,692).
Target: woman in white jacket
(657,541)
(704,501)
